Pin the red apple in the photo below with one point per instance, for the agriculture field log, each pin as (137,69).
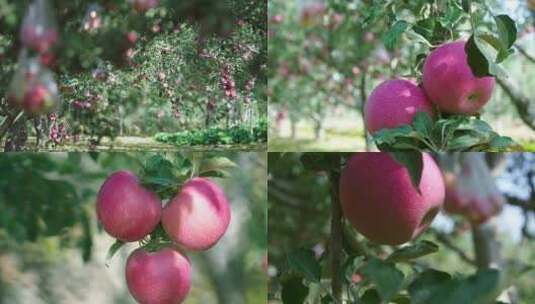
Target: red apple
(126,209)
(450,84)
(161,277)
(142,6)
(39,38)
(198,216)
(394,103)
(38,100)
(381,202)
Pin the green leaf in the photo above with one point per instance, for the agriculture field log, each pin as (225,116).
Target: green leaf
(423,123)
(385,276)
(506,30)
(428,282)
(412,252)
(437,288)
(304,262)
(370,296)
(414,163)
(293,290)
(394,34)
(114,248)
(477,60)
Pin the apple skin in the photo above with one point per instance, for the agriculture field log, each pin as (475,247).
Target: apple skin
(380,201)
(127,210)
(394,103)
(160,277)
(198,216)
(449,82)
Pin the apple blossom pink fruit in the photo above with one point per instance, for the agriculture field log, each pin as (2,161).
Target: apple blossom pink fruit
(450,84)
(127,210)
(161,277)
(39,38)
(394,103)
(379,199)
(198,216)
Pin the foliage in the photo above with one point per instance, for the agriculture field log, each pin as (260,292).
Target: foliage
(217,136)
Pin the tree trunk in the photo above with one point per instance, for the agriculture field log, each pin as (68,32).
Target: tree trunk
(363,98)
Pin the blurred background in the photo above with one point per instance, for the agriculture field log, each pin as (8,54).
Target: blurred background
(52,250)
(299,197)
(326,56)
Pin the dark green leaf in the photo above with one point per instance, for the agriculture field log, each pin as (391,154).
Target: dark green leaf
(304,262)
(394,34)
(427,283)
(370,296)
(385,276)
(506,30)
(294,291)
(415,251)
(414,163)
(114,248)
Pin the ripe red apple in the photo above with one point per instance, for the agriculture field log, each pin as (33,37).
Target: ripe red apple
(126,209)
(161,277)
(450,84)
(39,38)
(380,201)
(394,103)
(198,216)
(142,6)
(38,100)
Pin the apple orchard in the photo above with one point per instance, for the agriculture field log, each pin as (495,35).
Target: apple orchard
(80,74)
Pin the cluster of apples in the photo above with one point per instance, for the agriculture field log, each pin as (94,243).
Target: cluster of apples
(33,88)
(195,219)
(379,199)
(448,83)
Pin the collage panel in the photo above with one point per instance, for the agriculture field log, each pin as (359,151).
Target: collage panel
(92,228)
(404,227)
(133,75)
(350,76)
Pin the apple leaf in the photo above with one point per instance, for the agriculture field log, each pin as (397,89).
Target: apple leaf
(412,252)
(385,276)
(293,290)
(506,30)
(414,163)
(394,34)
(304,262)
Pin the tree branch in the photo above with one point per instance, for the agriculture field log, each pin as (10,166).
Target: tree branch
(523,51)
(444,240)
(520,101)
(336,237)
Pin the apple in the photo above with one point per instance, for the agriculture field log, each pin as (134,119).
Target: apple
(450,84)
(141,6)
(38,100)
(127,210)
(39,38)
(160,277)
(198,216)
(471,192)
(379,199)
(394,103)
